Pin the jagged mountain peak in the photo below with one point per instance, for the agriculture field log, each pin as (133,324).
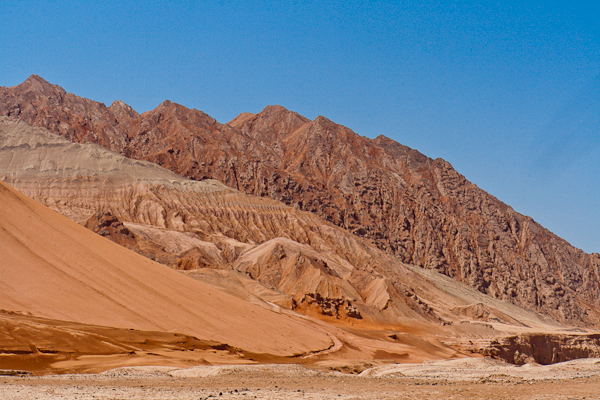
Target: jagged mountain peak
(239,121)
(33,78)
(166,103)
(169,106)
(271,108)
(321,120)
(37,84)
(191,118)
(281,113)
(123,111)
(271,124)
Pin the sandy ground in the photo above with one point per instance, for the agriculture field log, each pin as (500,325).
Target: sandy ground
(456,379)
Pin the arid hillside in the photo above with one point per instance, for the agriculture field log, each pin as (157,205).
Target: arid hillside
(68,288)
(410,206)
(256,248)
(73,301)
(54,268)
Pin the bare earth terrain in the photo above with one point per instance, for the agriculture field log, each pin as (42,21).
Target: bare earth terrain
(420,210)
(66,317)
(360,270)
(472,379)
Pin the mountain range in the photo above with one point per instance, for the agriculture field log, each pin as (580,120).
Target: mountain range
(417,209)
(381,244)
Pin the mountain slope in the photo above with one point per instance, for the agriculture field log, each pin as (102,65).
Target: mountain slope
(58,270)
(418,209)
(264,251)
(54,268)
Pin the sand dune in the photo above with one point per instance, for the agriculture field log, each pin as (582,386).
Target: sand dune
(52,267)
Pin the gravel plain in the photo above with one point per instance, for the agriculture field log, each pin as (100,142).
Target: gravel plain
(456,379)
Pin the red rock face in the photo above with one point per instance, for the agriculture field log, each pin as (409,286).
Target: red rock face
(418,209)
(80,120)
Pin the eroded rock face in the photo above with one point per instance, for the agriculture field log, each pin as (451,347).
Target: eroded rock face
(317,283)
(305,262)
(543,349)
(80,120)
(418,209)
(107,225)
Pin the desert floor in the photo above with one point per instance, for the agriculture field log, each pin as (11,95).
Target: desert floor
(457,379)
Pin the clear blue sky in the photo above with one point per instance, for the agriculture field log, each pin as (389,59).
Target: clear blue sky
(507,91)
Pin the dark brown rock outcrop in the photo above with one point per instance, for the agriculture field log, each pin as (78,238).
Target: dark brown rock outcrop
(418,209)
(107,225)
(543,349)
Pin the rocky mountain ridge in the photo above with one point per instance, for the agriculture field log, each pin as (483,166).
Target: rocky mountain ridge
(415,208)
(255,248)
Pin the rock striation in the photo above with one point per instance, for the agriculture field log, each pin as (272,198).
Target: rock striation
(412,207)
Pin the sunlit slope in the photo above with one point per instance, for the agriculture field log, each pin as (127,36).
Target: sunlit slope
(279,254)
(52,267)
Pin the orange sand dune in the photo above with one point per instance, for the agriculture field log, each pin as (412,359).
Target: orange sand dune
(53,268)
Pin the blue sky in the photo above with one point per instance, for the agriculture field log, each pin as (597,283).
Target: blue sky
(506,91)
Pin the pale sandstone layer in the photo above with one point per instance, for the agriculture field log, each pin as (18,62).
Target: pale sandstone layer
(416,208)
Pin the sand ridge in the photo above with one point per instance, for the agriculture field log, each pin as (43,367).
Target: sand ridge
(55,268)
